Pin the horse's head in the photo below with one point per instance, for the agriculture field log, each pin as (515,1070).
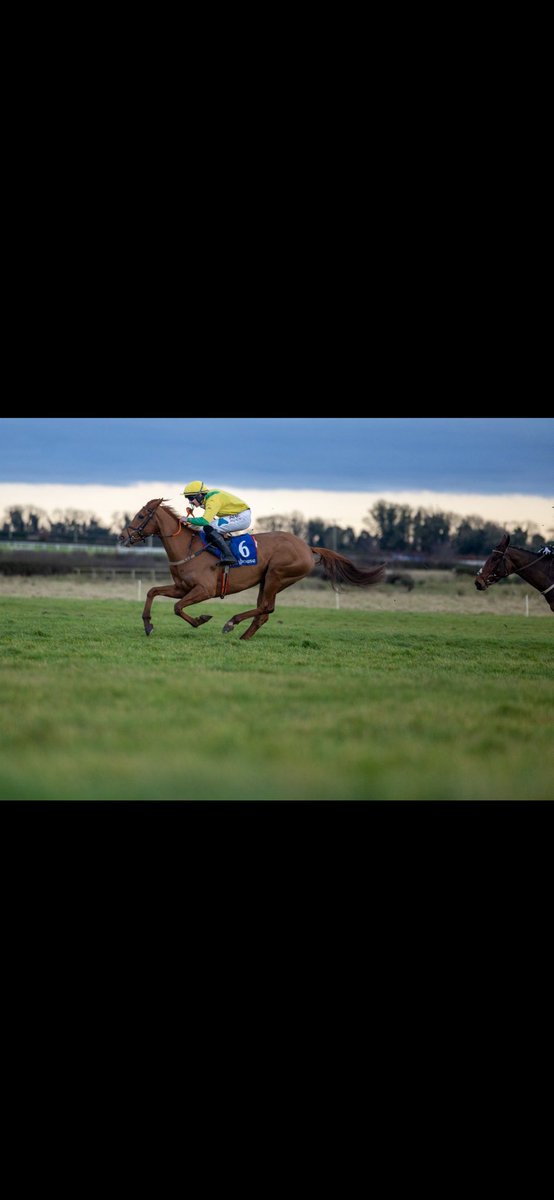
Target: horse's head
(496,567)
(143,525)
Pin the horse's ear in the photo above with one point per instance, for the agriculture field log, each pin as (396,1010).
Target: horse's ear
(503,545)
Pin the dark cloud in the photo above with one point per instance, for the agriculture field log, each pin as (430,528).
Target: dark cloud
(481,454)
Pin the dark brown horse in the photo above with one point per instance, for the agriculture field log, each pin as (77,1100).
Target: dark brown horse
(536,569)
(283,559)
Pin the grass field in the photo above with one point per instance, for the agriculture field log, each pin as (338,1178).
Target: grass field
(322,704)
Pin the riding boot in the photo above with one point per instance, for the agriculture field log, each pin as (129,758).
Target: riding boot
(218,540)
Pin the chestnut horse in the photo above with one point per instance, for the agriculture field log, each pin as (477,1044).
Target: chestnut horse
(536,569)
(283,559)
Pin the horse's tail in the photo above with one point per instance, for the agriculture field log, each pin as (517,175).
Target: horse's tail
(339,569)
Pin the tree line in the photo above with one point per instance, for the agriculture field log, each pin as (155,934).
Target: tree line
(387,529)
(398,529)
(28,524)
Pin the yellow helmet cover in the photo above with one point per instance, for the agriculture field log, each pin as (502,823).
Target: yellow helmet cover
(192,489)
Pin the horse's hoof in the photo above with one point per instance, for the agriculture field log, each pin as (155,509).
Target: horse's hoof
(228,628)
(148,628)
(202,620)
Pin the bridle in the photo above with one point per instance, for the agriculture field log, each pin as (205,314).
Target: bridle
(494,577)
(150,512)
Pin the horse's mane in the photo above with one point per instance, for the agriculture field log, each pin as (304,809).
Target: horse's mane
(167,508)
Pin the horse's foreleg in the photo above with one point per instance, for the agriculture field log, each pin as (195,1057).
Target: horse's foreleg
(195,596)
(256,624)
(171,592)
(276,581)
(261,614)
(252,612)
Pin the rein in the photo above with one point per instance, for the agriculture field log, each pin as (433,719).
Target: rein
(180,561)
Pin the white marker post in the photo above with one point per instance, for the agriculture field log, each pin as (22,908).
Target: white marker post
(139,589)
(526,606)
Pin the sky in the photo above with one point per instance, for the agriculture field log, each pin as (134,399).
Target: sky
(496,467)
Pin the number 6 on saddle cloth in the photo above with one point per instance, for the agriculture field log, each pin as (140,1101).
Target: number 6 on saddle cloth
(244,547)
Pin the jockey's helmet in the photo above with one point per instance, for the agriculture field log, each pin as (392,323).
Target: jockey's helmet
(194,489)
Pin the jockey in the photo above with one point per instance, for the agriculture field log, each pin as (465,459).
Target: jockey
(223,513)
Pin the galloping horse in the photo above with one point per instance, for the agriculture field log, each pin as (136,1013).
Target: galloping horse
(536,569)
(283,559)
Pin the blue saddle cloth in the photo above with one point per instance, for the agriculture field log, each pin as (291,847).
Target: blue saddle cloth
(243,546)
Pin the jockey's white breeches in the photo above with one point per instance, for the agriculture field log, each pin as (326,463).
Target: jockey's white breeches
(233,524)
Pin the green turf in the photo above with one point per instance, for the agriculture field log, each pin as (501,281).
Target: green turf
(320,705)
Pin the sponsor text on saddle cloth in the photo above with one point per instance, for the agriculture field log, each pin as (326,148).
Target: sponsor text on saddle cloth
(244,547)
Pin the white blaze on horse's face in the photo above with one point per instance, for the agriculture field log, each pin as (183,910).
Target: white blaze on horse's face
(490,571)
